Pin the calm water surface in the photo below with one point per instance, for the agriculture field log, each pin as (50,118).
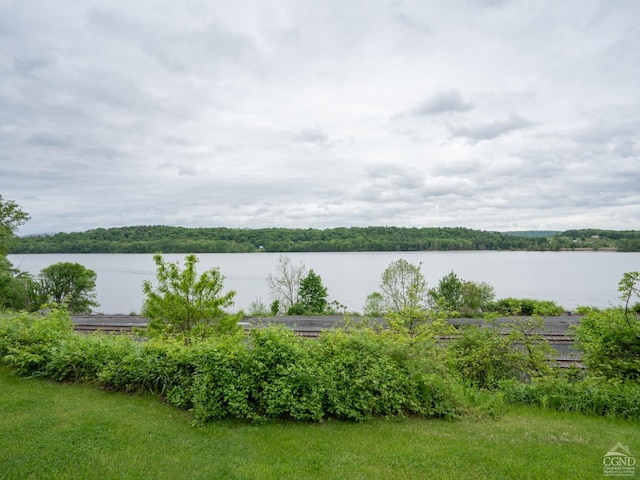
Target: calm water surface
(569,278)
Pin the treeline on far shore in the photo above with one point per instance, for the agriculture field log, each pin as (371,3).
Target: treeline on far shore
(151,239)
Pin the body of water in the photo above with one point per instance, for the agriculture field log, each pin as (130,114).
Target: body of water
(569,278)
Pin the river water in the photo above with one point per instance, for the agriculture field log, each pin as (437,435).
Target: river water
(569,278)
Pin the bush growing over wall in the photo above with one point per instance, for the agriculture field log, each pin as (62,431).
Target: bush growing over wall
(486,355)
(270,373)
(353,374)
(610,341)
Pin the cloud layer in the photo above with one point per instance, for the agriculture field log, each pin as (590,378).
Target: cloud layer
(497,115)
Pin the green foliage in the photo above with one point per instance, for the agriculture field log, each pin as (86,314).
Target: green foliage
(184,303)
(592,395)
(258,309)
(285,376)
(623,240)
(476,298)
(69,284)
(366,374)
(18,290)
(351,375)
(11,217)
(14,287)
(403,286)
(610,342)
(150,239)
(454,297)
(312,296)
(447,295)
(28,341)
(484,356)
(525,306)
(628,287)
(275,307)
(374,305)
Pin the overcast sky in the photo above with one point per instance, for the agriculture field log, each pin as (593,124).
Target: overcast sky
(488,114)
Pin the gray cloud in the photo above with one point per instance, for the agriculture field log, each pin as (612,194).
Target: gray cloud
(278,114)
(314,135)
(446,101)
(490,130)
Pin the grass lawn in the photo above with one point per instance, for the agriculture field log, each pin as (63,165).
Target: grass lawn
(54,431)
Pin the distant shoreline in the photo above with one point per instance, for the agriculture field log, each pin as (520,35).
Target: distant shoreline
(153,239)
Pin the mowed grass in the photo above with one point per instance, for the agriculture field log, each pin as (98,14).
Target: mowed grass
(59,431)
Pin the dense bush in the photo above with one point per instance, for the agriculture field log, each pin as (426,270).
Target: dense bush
(367,374)
(270,373)
(354,373)
(610,342)
(525,306)
(29,342)
(486,355)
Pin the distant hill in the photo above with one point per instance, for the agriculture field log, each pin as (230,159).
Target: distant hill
(158,238)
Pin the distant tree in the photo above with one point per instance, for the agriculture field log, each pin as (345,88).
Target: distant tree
(454,296)
(258,309)
(447,295)
(312,296)
(284,283)
(69,284)
(476,296)
(184,301)
(403,286)
(373,305)
(404,293)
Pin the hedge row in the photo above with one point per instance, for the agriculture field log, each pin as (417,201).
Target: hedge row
(270,373)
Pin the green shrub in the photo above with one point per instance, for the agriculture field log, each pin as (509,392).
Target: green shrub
(610,342)
(29,340)
(484,356)
(352,374)
(83,357)
(526,307)
(367,374)
(221,379)
(285,376)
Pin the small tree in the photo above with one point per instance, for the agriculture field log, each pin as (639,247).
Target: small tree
(447,295)
(373,305)
(312,296)
(183,301)
(476,296)
(69,284)
(404,293)
(403,286)
(454,296)
(284,284)
(628,286)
